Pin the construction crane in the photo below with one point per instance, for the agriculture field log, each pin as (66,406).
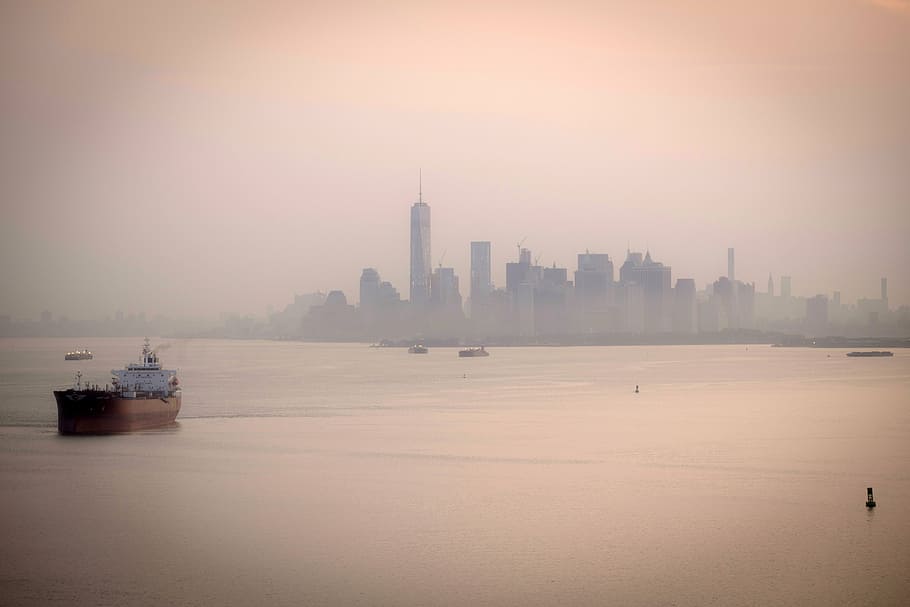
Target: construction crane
(519,247)
(442,258)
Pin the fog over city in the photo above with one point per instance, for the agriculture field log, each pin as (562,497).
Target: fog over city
(205,159)
(425,303)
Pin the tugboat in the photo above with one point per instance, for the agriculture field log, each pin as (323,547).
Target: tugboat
(79,355)
(418,349)
(471,352)
(142,395)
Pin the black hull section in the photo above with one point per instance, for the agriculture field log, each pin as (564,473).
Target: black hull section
(100,412)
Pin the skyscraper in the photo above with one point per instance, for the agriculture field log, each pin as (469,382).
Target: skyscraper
(731,266)
(420,252)
(522,272)
(369,290)
(481,283)
(628,268)
(444,289)
(594,292)
(817,315)
(785,287)
(685,306)
(653,278)
(595,262)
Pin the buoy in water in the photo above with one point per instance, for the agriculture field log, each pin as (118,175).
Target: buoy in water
(636,388)
(870,500)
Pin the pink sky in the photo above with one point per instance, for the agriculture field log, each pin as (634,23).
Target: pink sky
(197,159)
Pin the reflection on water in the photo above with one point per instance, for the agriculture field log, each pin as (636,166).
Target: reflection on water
(340,474)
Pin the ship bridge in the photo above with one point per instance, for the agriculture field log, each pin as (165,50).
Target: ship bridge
(146,375)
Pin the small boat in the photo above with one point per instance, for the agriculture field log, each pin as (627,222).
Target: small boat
(470,352)
(79,355)
(418,349)
(871,353)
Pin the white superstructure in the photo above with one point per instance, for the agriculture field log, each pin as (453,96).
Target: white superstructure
(146,376)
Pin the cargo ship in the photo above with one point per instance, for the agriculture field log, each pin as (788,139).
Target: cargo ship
(141,396)
(868,354)
(79,355)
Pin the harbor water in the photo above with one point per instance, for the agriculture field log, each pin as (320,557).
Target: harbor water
(338,474)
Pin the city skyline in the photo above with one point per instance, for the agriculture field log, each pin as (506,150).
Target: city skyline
(420,236)
(543,304)
(352,292)
(456,303)
(268,149)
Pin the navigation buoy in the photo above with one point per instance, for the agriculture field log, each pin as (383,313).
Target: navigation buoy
(870,501)
(636,388)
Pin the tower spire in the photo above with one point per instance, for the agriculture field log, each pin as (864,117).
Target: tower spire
(420,185)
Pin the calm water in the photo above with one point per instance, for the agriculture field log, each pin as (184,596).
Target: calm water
(343,475)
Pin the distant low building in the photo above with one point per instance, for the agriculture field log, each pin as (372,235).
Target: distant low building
(335,319)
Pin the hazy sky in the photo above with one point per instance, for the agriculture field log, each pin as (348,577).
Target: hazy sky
(197,159)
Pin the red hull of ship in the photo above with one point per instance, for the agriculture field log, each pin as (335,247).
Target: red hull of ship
(100,412)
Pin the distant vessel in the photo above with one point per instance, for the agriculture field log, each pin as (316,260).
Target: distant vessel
(79,355)
(871,353)
(418,349)
(470,352)
(142,395)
